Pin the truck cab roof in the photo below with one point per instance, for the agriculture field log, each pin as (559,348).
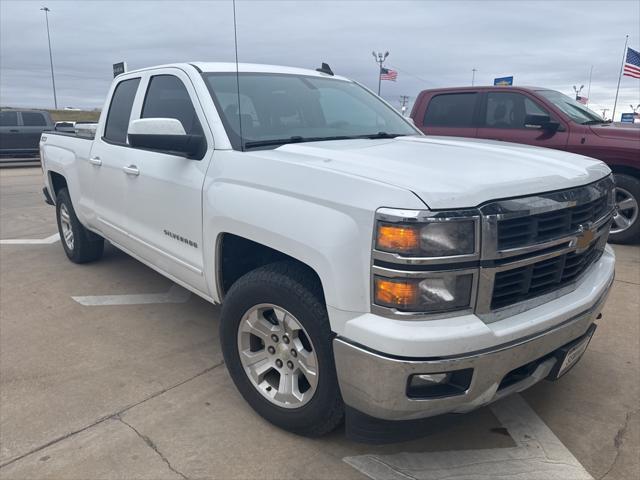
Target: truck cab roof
(484,87)
(230,67)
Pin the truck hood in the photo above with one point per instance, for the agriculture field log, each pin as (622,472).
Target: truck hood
(616,132)
(448,172)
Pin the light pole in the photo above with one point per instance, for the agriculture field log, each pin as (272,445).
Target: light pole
(473,76)
(578,90)
(53,80)
(380,58)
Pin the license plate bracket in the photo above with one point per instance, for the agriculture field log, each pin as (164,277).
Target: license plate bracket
(569,355)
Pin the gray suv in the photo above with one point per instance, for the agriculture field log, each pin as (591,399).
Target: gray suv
(20,131)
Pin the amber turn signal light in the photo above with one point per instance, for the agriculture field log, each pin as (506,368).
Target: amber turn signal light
(401,294)
(398,238)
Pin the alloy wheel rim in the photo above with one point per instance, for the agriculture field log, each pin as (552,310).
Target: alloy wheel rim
(626,212)
(278,356)
(65,223)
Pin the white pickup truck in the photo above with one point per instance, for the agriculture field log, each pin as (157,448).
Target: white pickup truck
(363,268)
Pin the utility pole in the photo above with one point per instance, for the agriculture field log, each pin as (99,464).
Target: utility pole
(473,76)
(53,79)
(380,58)
(404,99)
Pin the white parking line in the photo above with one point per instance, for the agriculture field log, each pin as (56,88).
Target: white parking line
(31,241)
(538,454)
(176,294)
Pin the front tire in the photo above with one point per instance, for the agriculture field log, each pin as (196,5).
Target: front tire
(277,345)
(80,245)
(626,221)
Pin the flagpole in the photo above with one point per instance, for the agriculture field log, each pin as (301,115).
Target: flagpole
(624,55)
(589,87)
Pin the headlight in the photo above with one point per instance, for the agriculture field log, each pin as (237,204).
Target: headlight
(415,257)
(440,292)
(433,238)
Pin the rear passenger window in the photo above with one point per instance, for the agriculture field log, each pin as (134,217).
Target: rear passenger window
(120,111)
(33,119)
(451,110)
(167,97)
(8,119)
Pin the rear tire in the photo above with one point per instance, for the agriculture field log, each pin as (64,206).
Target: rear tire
(289,290)
(626,221)
(80,245)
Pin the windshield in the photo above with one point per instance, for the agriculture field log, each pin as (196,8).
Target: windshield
(578,112)
(279,108)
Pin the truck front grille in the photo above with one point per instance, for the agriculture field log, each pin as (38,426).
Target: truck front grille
(518,284)
(521,231)
(535,248)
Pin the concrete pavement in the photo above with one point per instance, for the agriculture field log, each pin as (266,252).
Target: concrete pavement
(140,391)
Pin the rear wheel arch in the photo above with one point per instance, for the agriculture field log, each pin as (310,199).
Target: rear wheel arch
(57,182)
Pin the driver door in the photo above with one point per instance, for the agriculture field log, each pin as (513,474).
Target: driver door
(163,189)
(504,119)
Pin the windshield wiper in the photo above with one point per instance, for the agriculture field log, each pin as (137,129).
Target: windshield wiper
(594,122)
(383,135)
(299,139)
(294,139)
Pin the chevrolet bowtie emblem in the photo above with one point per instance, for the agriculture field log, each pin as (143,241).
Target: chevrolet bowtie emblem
(585,237)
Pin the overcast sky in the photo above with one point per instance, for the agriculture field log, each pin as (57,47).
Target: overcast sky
(431,43)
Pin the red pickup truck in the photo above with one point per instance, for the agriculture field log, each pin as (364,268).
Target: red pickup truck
(545,118)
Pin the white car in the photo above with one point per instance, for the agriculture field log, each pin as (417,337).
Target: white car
(362,267)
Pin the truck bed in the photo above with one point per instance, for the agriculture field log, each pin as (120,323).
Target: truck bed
(64,148)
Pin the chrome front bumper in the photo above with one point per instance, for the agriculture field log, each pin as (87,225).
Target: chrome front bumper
(376,384)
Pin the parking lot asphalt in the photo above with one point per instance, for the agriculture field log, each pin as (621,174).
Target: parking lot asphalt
(140,390)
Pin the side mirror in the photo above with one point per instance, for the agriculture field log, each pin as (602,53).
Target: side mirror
(542,122)
(164,134)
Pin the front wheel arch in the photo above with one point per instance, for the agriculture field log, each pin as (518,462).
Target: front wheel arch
(626,222)
(237,256)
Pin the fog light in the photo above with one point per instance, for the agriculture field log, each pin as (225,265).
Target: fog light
(441,384)
(431,379)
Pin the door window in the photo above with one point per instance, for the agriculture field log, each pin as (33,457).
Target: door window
(451,110)
(167,97)
(8,119)
(33,119)
(120,111)
(509,110)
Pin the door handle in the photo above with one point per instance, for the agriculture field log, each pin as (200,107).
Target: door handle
(14,131)
(95,161)
(131,170)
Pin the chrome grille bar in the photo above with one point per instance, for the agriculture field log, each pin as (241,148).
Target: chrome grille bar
(585,214)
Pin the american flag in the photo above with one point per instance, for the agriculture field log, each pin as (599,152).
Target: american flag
(632,63)
(388,74)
